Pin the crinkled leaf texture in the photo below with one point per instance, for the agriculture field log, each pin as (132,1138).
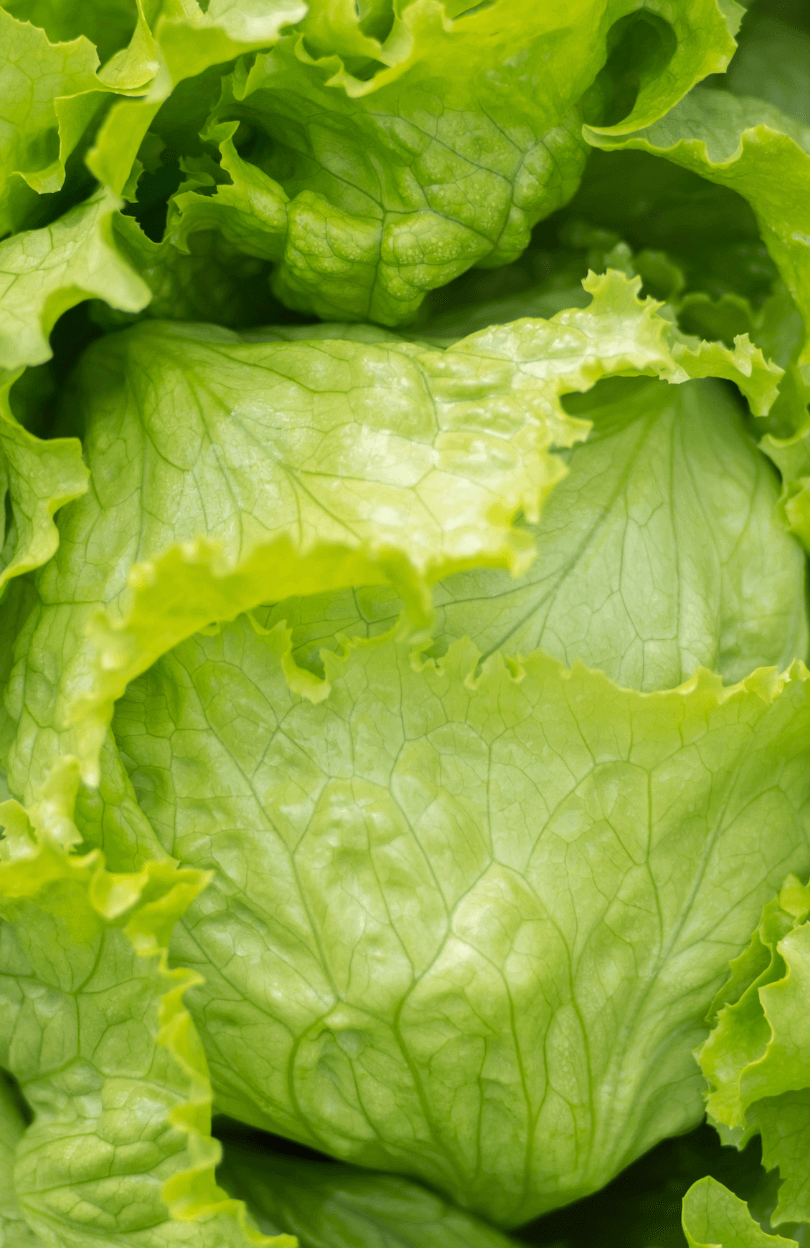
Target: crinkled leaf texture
(333,1206)
(94,1028)
(385,163)
(479,919)
(660,551)
(757,1059)
(227,474)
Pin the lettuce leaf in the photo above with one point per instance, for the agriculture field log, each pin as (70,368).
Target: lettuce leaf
(713,1217)
(463,927)
(333,1206)
(94,1029)
(757,1059)
(108,24)
(175,40)
(46,271)
(660,551)
(49,95)
(386,159)
(252,447)
(36,479)
(748,145)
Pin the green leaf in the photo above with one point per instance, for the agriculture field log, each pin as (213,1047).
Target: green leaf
(757,1059)
(480,918)
(773,61)
(95,1030)
(250,211)
(713,1217)
(175,40)
(49,94)
(329,1206)
(277,468)
(659,552)
(44,272)
(37,478)
(384,167)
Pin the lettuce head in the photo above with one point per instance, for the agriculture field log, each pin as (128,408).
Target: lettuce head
(404,710)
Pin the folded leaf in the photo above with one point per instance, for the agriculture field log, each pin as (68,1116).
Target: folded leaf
(288,467)
(659,552)
(95,1031)
(750,146)
(386,161)
(37,478)
(175,40)
(757,1059)
(479,920)
(44,272)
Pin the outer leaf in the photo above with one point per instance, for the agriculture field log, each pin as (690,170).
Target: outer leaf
(329,1206)
(95,1030)
(45,272)
(713,1217)
(392,164)
(660,551)
(552,872)
(211,537)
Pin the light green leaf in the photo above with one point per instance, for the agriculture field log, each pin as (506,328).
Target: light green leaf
(221,474)
(176,40)
(385,166)
(329,1206)
(48,96)
(95,1030)
(757,1059)
(250,211)
(659,552)
(38,478)
(552,871)
(44,272)
(713,1217)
